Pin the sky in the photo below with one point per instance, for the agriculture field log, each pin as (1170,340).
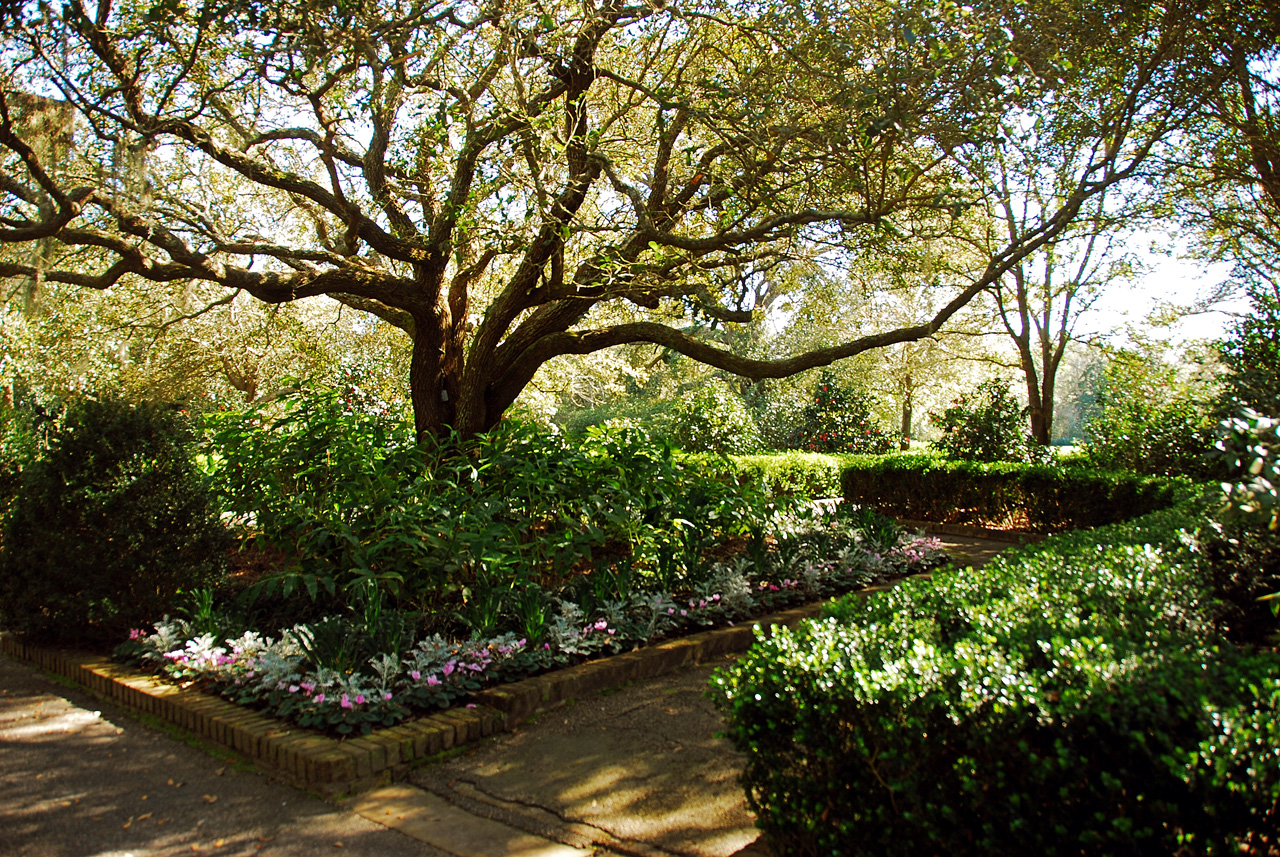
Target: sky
(1175,280)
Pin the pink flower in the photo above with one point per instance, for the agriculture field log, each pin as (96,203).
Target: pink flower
(136,634)
(293,688)
(448,667)
(308,686)
(346,701)
(684,612)
(612,631)
(386,696)
(359,699)
(601,624)
(319,698)
(471,705)
(415,675)
(432,680)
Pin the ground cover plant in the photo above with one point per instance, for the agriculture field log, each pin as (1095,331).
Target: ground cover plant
(415,574)
(1091,695)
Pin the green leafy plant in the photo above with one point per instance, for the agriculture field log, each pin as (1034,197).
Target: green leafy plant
(1251,354)
(109,525)
(1040,497)
(1249,444)
(714,419)
(1074,698)
(1146,422)
(987,425)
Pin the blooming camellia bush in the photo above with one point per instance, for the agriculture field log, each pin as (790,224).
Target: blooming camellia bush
(838,419)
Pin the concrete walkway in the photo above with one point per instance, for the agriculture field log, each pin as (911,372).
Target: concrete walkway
(638,771)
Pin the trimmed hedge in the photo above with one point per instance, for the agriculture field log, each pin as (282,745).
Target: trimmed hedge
(1041,497)
(809,474)
(1075,698)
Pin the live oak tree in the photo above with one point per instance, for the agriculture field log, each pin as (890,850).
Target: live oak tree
(495,178)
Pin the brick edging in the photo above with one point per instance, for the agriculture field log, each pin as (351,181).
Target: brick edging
(335,767)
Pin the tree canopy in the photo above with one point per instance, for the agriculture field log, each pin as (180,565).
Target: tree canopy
(510,182)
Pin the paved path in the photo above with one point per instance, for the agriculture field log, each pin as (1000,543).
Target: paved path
(634,772)
(79,777)
(640,771)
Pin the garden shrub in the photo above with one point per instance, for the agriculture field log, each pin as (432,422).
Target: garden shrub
(785,474)
(988,425)
(1147,422)
(714,419)
(365,667)
(108,526)
(1251,354)
(1040,497)
(1072,699)
(838,420)
(1249,447)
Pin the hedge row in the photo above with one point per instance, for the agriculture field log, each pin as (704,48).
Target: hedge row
(810,474)
(1074,699)
(1041,498)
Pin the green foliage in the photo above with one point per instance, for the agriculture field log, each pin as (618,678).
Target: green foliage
(1249,444)
(109,525)
(1251,353)
(838,420)
(18,446)
(352,498)
(1041,497)
(792,474)
(361,668)
(988,425)
(1148,423)
(1072,699)
(715,419)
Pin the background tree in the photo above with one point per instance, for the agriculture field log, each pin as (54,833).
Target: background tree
(492,178)
(1040,300)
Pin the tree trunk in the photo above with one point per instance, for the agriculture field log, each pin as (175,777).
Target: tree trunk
(435,373)
(904,442)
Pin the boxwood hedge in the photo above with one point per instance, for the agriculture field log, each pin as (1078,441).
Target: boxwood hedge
(1045,498)
(1075,698)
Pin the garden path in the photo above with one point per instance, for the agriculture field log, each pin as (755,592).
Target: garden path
(637,771)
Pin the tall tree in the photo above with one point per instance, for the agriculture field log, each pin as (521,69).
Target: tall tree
(493,177)
(1040,300)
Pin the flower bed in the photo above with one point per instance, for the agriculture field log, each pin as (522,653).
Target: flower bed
(315,675)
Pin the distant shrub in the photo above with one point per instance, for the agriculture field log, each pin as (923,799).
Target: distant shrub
(108,525)
(809,474)
(986,425)
(714,419)
(1251,354)
(1146,422)
(838,419)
